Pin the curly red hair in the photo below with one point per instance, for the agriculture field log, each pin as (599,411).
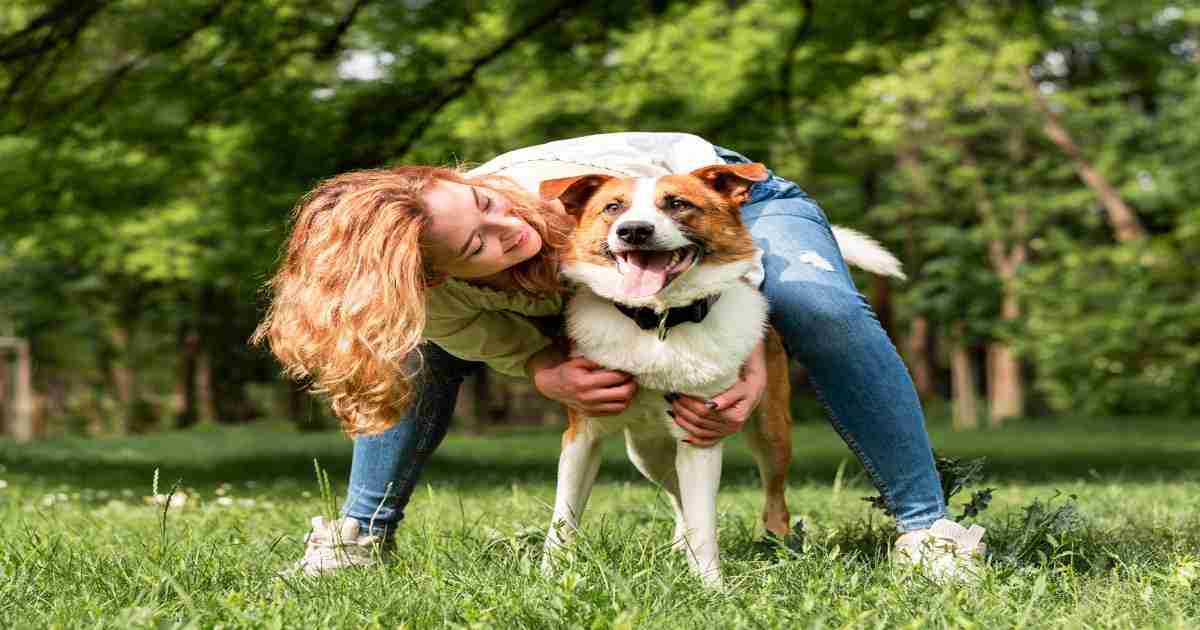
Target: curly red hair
(347,305)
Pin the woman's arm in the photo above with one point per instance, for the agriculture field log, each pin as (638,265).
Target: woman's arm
(726,413)
(580,383)
(511,344)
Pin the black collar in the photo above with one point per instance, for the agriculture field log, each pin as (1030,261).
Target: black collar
(647,319)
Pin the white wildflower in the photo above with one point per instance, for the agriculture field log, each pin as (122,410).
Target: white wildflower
(225,501)
(177,500)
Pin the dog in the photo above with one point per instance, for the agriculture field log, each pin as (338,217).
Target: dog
(661,267)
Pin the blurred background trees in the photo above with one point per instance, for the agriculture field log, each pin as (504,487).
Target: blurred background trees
(1032,162)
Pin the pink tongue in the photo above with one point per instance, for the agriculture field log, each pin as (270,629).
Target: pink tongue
(647,273)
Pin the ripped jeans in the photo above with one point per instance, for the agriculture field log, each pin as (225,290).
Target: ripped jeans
(825,323)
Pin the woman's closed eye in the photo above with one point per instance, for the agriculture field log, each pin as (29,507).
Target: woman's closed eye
(483,201)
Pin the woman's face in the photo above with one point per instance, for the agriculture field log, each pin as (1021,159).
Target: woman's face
(473,233)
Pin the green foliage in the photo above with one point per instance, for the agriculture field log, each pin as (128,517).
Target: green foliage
(955,474)
(150,153)
(1116,330)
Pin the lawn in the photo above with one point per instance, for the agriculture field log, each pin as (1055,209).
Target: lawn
(84,544)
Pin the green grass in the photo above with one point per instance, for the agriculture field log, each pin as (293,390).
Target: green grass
(82,546)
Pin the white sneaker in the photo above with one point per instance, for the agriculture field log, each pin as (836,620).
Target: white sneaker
(946,551)
(338,545)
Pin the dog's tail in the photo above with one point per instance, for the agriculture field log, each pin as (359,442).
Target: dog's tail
(864,252)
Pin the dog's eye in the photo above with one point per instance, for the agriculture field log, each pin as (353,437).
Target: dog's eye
(675,203)
(613,207)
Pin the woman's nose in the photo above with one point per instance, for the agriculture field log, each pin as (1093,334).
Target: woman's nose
(506,221)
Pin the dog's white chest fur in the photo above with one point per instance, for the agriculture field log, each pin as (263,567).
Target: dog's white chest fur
(698,359)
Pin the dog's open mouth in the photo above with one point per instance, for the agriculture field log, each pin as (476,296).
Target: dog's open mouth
(646,272)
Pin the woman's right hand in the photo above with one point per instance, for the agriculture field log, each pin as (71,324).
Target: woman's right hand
(585,386)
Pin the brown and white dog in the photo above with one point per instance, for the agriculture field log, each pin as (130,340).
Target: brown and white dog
(661,266)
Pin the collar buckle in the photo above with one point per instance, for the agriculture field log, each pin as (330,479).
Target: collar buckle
(647,319)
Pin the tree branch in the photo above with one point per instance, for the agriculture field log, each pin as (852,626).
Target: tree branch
(333,42)
(464,80)
(80,12)
(803,30)
(52,42)
(108,85)
(1121,218)
(458,86)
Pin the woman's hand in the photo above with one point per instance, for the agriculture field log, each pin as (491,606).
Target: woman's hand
(580,383)
(726,413)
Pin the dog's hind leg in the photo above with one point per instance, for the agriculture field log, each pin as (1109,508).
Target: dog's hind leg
(770,437)
(577,468)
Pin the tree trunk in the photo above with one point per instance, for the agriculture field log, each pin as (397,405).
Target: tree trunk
(881,303)
(21,423)
(1006,387)
(137,414)
(1005,395)
(229,358)
(205,407)
(1006,253)
(916,349)
(6,398)
(962,375)
(1123,220)
(189,350)
(481,401)
(489,402)
(24,427)
(121,376)
(300,408)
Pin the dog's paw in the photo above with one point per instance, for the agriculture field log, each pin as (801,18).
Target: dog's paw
(771,542)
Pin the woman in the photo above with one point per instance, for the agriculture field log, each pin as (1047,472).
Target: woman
(463,266)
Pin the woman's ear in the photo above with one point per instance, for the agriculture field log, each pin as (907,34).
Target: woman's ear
(573,192)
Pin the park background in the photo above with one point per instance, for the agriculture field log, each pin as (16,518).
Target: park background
(1033,164)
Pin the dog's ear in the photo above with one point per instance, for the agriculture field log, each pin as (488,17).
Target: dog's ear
(732,180)
(573,192)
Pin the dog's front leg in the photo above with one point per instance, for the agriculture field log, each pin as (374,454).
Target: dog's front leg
(699,471)
(577,467)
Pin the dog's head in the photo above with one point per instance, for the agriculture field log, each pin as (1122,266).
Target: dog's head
(661,241)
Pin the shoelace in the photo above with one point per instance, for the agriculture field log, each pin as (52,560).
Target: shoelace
(962,541)
(337,535)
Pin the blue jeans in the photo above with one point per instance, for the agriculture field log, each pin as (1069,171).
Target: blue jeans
(825,323)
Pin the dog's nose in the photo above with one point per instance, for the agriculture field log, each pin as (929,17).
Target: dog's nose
(635,232)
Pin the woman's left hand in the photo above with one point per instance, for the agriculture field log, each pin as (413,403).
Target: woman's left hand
(726,413)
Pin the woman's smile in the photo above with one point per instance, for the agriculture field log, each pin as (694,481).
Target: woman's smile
(520,240)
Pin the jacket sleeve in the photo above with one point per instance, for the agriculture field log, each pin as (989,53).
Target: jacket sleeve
(502,339)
